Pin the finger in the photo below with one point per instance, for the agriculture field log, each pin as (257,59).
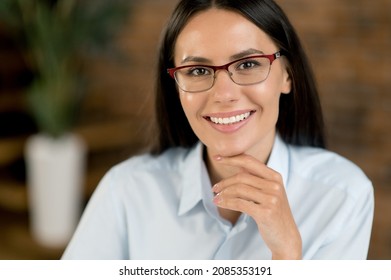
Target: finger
(246,179)
(239,205)
(256,207)
(251,194)
(238,179)
(251,165)
(241,191)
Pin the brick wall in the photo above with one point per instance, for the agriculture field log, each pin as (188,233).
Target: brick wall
(348,42)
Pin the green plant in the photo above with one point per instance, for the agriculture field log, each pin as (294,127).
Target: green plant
(57,36)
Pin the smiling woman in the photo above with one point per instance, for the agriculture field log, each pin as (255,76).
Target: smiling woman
(239,169)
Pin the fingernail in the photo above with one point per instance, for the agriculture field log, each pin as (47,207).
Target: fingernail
(218,158)
(217,199)
(215,188)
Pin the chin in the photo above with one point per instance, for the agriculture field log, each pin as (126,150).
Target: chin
(227,149)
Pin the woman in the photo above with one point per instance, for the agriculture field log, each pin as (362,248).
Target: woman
(239,169)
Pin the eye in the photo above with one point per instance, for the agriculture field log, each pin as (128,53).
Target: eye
(198,71)
(248,64)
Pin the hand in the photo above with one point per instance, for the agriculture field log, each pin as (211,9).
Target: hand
(258,191)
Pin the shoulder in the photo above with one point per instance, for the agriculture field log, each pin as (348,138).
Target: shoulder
(328,168)
(170,160)
(146,172)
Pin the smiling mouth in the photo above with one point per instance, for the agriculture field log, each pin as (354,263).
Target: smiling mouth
(231,120)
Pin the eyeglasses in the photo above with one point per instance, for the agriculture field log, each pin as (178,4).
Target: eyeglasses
(245,71)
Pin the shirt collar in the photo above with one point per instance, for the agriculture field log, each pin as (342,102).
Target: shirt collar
(279,158)
(193,175)
(191,179)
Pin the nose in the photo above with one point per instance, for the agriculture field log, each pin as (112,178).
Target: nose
(224,89)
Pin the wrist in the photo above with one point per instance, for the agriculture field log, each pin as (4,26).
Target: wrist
(290,256)
(291,253)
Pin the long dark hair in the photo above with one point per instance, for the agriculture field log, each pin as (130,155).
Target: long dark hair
(300,120)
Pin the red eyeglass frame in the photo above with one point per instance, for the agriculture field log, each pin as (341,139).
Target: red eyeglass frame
(271,58)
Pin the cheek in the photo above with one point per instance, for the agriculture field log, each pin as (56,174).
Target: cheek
(274,86)
(267,96)
(185,102)
(191,105)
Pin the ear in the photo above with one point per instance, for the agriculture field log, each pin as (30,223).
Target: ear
(286,86)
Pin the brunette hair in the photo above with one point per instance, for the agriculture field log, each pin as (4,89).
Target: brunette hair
(300,120)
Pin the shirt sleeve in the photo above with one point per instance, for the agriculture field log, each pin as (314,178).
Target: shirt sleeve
(101,233)
(351,242)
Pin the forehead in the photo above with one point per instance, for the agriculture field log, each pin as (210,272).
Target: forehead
(217,34)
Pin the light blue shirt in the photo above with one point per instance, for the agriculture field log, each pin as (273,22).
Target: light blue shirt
(161,208)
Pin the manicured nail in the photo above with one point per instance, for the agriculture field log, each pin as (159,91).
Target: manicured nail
(217,199)
(218,158)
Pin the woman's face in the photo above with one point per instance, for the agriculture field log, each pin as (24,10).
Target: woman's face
(215,37)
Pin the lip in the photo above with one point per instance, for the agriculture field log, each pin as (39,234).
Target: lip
(229,128)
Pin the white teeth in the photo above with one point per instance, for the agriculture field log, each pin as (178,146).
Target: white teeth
(230,120)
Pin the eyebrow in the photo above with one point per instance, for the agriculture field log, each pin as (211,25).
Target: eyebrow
(239,55)
(197,59)
(245,53)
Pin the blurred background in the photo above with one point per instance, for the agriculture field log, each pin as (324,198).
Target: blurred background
(347,41)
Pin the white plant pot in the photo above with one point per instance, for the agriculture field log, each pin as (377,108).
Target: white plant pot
(55,180)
